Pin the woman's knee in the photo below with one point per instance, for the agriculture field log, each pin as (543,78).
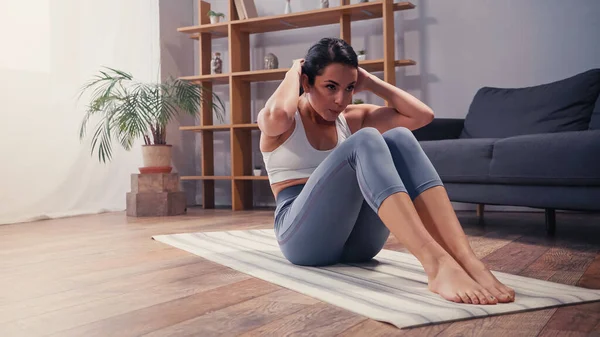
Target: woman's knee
(401,136)
(369,138)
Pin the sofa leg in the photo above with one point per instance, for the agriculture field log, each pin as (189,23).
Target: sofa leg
(550,221)
(480,208)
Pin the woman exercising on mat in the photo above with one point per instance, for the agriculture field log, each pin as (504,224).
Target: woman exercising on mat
(346,175)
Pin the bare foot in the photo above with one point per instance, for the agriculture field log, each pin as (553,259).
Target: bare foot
(451,282)
(482,275)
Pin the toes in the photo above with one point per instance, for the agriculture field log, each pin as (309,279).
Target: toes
(473,297)
(491,299)
(482,298)
(464,297)
(500,296)
(456,299)
(510,292)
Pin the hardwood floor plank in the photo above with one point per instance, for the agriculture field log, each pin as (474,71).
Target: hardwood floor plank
(379,329)
(591,277)
(516,256)
(109,288)
(582,318)
(486,244)
(242,317)
(320,319)
(560,333)
(75,278)
(89,312)
(167,313)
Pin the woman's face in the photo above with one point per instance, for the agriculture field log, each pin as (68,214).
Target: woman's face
(332,90)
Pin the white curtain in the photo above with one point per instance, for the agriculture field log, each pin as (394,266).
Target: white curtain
(50,49)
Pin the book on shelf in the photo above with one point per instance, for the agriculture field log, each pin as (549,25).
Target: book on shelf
(246,9)
(250,9)
(239,6)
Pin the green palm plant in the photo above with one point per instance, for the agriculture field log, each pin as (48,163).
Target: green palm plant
(131,110)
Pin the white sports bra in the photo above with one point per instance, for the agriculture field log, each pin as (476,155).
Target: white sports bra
(296,158)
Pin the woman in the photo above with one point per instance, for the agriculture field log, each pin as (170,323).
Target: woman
(346,175)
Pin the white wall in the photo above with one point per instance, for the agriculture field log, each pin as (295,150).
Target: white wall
(459,47)
(178,59)
(51,48)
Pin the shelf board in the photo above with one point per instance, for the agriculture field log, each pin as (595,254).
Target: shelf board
(251,178)
(221,127)
(245,126)
(304,19)
(213,78)
(261,75)
(206,177)
(377,65)
(279,74)
(316,17)
(218,30)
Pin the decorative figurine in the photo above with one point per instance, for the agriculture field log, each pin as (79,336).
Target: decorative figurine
(271,61)
(288,7)
(216,64)
(324,4)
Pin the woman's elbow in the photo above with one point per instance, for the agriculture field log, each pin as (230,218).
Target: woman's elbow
(427,117)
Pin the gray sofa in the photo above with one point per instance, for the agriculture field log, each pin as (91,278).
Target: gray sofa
(536,146)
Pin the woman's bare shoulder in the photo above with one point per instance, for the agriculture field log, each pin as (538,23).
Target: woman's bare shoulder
(355,115)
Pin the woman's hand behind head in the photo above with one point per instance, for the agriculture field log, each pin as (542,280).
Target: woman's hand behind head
(297,66)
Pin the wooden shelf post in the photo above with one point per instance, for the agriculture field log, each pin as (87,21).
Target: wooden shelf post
(241,139)
(206,111)
(389,70)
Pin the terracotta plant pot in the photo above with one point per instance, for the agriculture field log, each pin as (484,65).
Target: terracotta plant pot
(156,158)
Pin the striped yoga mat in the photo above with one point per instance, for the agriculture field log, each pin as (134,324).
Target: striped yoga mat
(391,289)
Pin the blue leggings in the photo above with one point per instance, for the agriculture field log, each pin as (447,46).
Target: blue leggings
(333,217)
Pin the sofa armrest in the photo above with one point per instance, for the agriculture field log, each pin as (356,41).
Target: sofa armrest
(441,128)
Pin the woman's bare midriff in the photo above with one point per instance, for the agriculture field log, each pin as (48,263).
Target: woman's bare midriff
(278,187)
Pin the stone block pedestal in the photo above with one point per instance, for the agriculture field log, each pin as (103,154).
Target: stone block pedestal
(155,194)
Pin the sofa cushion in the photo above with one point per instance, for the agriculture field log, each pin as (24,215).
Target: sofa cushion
(564,105)
(595,121)
(567,159)
(460,160)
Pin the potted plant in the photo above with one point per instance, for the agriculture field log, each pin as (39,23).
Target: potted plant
(215,17)
(361,55)
(257,171)
(130,110)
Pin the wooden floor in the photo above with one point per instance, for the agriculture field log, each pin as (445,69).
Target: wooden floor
(102,275)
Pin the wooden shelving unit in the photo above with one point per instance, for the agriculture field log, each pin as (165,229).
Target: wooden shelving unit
(241,76)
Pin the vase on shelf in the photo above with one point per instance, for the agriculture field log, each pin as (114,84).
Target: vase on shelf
(288,7)
(361,55)
(216,64)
